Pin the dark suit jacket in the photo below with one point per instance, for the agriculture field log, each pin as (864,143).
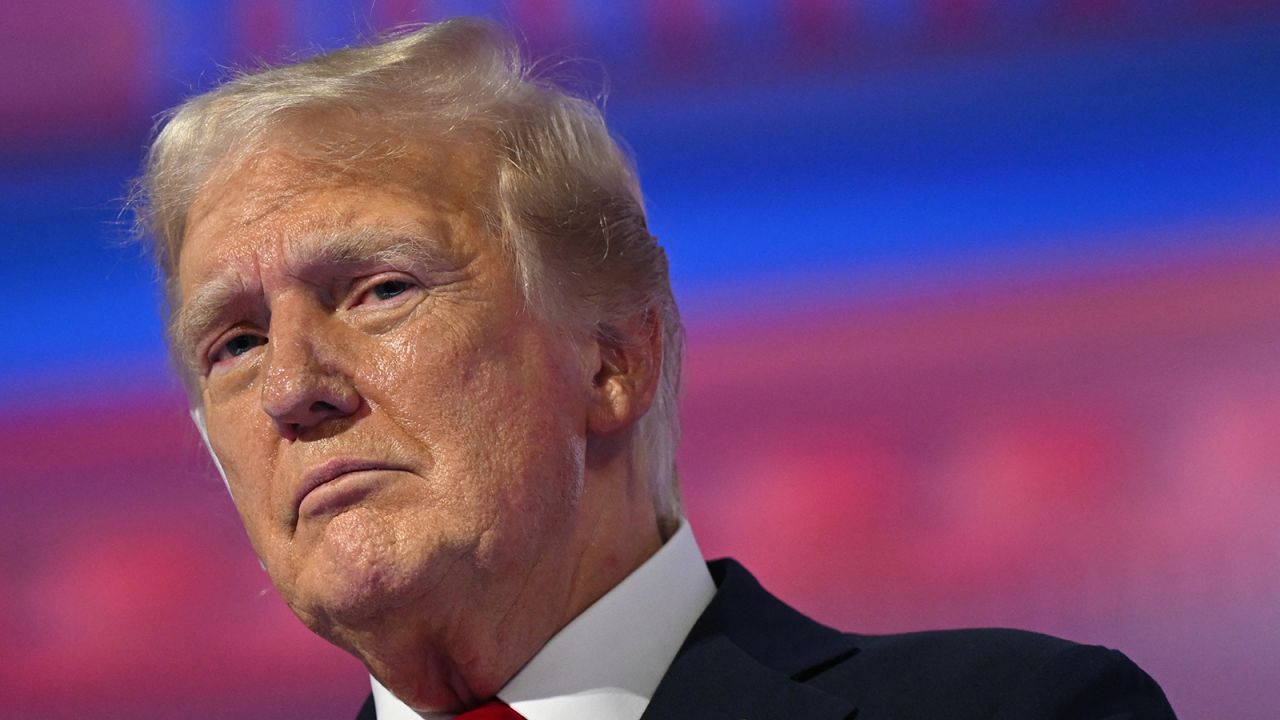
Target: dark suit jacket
(750,656)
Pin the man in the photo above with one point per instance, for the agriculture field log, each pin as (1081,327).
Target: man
(434,351)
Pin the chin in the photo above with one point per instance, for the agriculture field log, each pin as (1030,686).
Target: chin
(353,575)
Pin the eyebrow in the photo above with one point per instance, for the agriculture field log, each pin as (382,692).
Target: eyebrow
(397,247)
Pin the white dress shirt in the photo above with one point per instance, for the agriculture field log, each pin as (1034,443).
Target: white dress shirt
(607,662)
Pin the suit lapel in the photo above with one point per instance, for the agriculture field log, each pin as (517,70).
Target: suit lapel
(748,657)
(716,679)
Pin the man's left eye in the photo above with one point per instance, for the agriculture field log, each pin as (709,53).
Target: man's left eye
(386,290)
(389,289)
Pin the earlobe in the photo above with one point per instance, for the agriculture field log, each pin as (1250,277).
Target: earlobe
(625,377)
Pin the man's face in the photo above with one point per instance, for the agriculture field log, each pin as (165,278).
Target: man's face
(397,429)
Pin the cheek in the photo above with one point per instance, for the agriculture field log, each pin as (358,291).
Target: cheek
(247,460)
(495,410)
(527,427)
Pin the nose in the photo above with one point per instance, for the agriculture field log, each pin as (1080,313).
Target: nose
(305,383)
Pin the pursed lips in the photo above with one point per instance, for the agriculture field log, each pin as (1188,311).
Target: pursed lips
(330,470)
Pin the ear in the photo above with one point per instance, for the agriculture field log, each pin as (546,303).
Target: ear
(624,373)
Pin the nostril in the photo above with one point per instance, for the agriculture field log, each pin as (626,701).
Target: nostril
(321,406)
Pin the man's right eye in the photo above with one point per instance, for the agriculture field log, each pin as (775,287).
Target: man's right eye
(236,346)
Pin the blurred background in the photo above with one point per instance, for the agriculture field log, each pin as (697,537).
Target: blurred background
(983,301)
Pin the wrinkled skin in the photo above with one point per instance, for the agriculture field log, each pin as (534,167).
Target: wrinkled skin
(485,499)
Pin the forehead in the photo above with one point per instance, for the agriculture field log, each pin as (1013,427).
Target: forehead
(279,199)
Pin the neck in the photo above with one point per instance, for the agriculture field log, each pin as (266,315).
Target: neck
(459,663)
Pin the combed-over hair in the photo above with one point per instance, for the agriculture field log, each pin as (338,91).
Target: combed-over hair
(566,204)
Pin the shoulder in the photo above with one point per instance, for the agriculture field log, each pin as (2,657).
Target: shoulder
(978,673)
(997,673)
(999,655)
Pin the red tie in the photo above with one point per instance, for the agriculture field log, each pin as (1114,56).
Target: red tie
(492,710)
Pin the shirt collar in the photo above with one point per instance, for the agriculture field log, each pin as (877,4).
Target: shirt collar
(607,662)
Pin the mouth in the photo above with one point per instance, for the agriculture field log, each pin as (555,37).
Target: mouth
(337,482)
